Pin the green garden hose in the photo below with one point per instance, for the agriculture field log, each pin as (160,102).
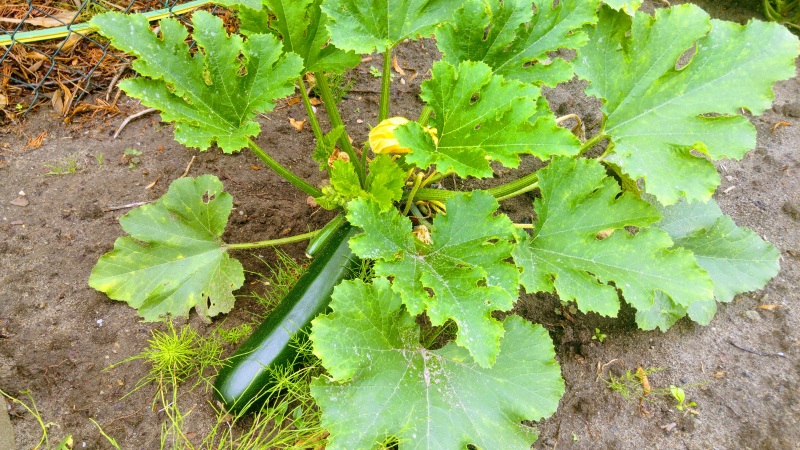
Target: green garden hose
(61,32)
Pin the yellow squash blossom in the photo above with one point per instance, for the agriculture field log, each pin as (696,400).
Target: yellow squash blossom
(382,140)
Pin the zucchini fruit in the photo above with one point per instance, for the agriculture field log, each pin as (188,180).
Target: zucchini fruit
(245,378)
(318,242)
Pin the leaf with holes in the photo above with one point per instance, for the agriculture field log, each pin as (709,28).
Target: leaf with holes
(427,399)
(213,95)
(174,259)
(481,117)
(668,114)
(462,273)
(514,41)
(578,255)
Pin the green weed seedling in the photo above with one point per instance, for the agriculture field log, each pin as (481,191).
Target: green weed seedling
(442,256)
(598,336)
(680,398)
(67,166)
(340,85)
(131,156)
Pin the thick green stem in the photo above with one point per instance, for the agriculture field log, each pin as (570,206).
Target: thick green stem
(414,189)
(425,115)
(519,186)
(336,121)
(272,242)
(312,117)
(284,172)
(592,142)
(386,83)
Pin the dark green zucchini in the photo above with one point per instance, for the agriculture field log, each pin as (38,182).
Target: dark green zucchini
(242,381)
(318,242)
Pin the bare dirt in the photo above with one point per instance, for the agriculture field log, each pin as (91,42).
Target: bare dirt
(57,335)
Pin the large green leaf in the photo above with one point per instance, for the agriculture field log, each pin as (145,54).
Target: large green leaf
(365,26)
(659,115)
(384,383)
(301,26)
(515,42)
(479,117)
(737,259)
(213,95)
(174,259)
(462,274)
(580,244)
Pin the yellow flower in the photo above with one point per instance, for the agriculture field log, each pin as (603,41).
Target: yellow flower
(382,140)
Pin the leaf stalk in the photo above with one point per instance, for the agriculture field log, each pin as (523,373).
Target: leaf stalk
(272,242)
(284,172)
(386,81)
(504,191)
(588,145)
(312,117)
(336,121)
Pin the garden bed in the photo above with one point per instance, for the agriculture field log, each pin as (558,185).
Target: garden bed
(57,335)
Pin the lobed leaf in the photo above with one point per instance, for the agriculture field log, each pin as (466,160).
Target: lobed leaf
(481,117)
(302,28)
(514,41)
(213,95)
(668,111)
(578,254)
(174,260)
(426,399)
(629,7)
(736,258)
(384,184)
(462,274)
(365,26)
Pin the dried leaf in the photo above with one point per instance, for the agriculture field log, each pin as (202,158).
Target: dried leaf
(769,307)
(37,141)
(397,67)
(55,20)
(255,167)
(62,100)
(780,124)
(292,100)
(70,42)
(297,124)
(315,101)
(57,102)
(642,376)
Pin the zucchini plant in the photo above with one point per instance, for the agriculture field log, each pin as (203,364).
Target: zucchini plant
(627,215)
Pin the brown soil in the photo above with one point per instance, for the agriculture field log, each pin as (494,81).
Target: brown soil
(57,335)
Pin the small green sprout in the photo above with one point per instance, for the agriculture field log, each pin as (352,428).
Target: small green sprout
(131,156)
(67,166)
(598,336)
(99,158)
(233,335)
(680,397)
